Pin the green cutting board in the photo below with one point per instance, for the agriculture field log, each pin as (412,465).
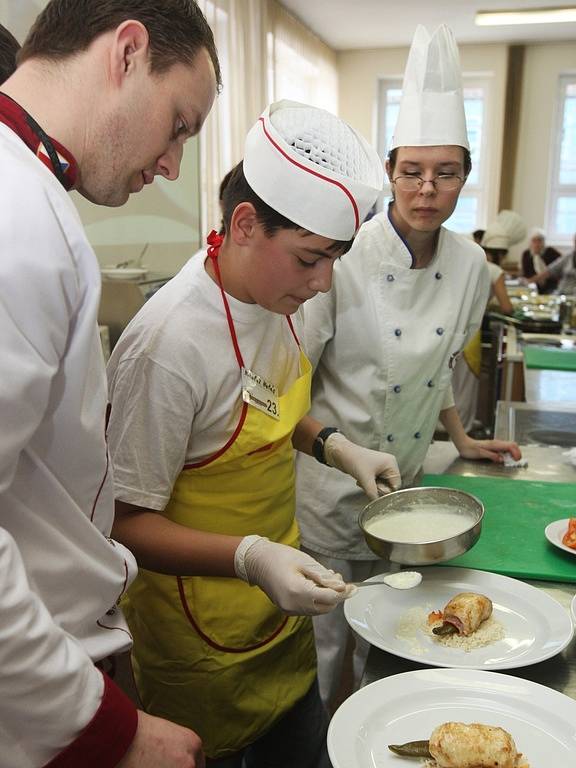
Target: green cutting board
(550,359)
(512,541)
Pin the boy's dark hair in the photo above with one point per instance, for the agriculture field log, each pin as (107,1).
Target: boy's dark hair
(9,47)
(393,156)
(237,190)
(177,30)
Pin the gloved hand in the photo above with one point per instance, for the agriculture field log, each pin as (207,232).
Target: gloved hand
(293,580)
(363,464)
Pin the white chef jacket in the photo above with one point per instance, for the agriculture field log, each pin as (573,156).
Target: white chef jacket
(383,343)
(60,576)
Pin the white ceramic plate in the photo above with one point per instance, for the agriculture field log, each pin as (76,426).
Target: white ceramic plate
(573,609)
(409,706)
(536,626)
(124,273)
(554,532)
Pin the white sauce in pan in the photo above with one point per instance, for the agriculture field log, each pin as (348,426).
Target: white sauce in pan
(419,524)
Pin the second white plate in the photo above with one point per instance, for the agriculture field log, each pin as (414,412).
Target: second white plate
(407,707)
(554,533)
(536,626)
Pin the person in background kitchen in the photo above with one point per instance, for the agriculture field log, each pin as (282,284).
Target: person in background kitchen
(536,258)
(384,341)
(104,96)
(505,231)
(202,431)
(563,270)
(9,48)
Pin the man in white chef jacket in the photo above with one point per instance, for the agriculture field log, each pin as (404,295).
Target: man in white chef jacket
(384,341)
(105,95)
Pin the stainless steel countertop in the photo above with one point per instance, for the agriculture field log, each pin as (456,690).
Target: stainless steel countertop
(545,463)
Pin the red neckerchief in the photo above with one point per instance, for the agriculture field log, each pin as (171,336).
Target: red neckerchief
(16,118)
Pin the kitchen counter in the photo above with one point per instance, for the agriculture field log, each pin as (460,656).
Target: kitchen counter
(545,463)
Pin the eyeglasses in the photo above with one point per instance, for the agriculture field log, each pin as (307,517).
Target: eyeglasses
(444,182)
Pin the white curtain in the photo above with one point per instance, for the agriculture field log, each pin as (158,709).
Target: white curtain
(303,67)
(265,55)
(240,31)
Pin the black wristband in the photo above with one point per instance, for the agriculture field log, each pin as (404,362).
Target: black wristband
(318,444)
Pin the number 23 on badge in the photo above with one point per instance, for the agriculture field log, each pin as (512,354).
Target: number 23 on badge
(260,394)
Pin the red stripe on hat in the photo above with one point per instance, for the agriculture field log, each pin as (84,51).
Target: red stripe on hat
(314,173)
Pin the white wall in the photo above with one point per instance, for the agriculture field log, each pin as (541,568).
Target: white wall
(542,68)
(359,72)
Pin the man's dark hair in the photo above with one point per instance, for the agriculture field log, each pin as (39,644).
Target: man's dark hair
(177,30)
(237,190)
(393,156)
(9,47)
(478,234)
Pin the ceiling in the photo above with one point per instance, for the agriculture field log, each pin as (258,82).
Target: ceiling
(348,24)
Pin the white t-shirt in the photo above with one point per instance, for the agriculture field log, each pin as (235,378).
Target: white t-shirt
(175,383)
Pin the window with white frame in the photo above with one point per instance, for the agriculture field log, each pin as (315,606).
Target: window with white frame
(561,213)
(470,212)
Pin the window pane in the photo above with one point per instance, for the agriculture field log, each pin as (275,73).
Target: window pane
(393,96)
(474,110)
(565,223)
(568,147)
(464,217)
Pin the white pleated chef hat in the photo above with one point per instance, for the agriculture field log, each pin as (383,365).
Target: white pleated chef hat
(432,104)
(312,168)
(507,229)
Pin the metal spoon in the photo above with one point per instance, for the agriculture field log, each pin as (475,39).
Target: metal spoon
(400,580)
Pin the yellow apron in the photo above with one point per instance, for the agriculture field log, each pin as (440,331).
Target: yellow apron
(473,353)
(215,654)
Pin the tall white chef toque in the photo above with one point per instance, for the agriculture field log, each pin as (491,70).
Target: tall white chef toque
(432,105)
(312,168)
(507,229)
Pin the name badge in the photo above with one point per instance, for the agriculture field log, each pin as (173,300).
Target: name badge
(260,393)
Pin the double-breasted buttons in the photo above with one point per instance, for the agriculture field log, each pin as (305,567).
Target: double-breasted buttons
(398,332)
(390,438)
(390,278)
(438,275)
(429,383)
(397,388)
(417,435)
(440,331)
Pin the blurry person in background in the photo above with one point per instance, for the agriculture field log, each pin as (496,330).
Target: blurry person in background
(9,48)
(562,269)
(506,230)
(477,235)
(105,94)
(536,258)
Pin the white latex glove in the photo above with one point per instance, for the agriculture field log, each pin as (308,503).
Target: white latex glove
(294,581)
(366,466)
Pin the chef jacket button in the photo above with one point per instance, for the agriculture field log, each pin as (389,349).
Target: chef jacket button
(429,383)
(390,278)
(397,388)
(440,331)
(438,275)
(111,612)
(398,332)
(417,435)
(390,438)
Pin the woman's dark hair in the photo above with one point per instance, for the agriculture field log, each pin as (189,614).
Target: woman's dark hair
(177,30)
(237,190)
(393,156)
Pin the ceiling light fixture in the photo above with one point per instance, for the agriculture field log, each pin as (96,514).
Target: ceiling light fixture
(526,16)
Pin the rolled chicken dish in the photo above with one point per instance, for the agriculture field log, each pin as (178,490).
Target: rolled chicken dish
(462,745)
(463,614)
